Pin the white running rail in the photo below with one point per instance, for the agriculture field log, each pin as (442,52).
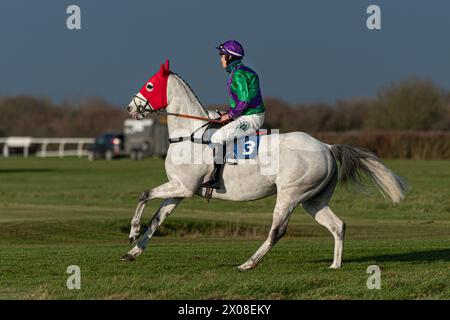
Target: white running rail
(26,142)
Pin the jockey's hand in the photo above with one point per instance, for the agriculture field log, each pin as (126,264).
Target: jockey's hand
(225,118)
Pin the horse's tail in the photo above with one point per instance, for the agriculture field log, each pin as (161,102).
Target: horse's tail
(356,162)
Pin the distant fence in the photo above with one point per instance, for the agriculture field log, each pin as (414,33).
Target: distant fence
(385,144)
(46,147)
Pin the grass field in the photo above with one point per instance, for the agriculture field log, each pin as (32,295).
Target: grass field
(60,212)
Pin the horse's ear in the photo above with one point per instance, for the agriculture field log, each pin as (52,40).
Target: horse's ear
(167,66)
(161,69)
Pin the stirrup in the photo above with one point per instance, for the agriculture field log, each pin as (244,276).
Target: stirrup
(208,193)
(211,184)
(232,161)
(230,158)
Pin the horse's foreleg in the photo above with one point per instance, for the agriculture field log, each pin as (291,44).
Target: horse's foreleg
(283,209)
(171,189)
(163,212)
(167,206)
(166,190)
(136,220)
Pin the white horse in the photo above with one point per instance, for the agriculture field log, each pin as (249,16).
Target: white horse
(307,172)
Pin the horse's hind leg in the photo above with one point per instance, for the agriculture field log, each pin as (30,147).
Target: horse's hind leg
(318,208)
(336,226)
(283,209)
(166,208)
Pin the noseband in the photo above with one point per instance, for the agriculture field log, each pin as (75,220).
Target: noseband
(142,108)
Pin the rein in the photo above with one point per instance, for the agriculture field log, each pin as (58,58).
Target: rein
(181,115)
(191,137)
(147,107)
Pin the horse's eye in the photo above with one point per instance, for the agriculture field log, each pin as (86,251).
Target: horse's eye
(149,86)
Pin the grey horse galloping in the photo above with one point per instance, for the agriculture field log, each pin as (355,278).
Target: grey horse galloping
(306,173)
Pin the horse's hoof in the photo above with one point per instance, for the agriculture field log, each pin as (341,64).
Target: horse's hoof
(246,266)
(334,266)
(127,257)
(133,239)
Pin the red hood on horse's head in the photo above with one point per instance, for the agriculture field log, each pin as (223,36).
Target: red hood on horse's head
(153,95)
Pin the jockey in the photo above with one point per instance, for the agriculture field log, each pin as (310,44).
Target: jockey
(246,112)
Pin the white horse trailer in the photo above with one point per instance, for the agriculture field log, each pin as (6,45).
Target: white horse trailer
(145,138)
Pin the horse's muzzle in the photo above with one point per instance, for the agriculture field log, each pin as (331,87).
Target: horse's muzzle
(135,115)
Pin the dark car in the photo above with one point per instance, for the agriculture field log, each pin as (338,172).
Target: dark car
(107,146)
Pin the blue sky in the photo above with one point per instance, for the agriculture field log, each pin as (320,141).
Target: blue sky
(304,51)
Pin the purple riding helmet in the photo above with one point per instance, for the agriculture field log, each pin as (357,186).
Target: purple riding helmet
(231,47)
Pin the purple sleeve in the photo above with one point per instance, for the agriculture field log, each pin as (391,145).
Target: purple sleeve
(237,111)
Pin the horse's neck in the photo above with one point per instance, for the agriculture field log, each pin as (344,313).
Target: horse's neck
(182,100)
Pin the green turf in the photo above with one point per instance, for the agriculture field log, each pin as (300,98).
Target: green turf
(60,212)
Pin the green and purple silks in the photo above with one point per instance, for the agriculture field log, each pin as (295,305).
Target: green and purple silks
(244,90)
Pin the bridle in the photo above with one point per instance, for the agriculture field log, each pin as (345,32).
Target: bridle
(142,108)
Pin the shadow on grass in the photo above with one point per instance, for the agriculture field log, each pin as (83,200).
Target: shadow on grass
(425,256)
(24,170)
(192,227)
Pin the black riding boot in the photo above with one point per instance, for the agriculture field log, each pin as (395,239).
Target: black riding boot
(218,152)
(214,182)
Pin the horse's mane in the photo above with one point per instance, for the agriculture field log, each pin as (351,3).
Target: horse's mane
(190,88)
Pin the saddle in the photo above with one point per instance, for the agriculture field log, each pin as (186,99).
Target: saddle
(245,147)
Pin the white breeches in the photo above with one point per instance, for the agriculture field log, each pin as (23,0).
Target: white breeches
(242,126)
